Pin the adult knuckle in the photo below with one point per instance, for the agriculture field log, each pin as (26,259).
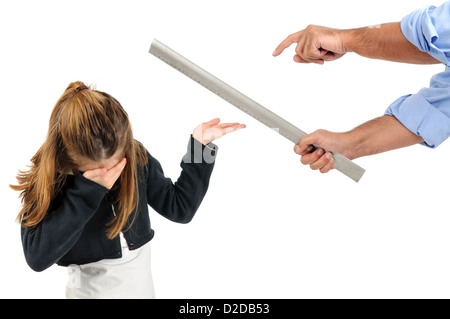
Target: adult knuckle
(319,132)
(309,56)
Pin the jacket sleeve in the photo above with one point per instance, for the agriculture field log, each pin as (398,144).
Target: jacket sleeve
(63,224)
(179,201)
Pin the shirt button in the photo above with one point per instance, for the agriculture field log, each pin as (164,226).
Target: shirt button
(131,246)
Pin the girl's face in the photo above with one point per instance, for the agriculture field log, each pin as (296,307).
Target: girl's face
(88,164)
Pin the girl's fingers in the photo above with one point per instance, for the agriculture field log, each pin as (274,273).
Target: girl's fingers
(115,172)
(212,130)
(95,173)
(225,125)
(232,128)
(106,178)
(212,122)
(119,166)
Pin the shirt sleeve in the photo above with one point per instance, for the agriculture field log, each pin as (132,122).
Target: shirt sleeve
(428,29)
(427,113)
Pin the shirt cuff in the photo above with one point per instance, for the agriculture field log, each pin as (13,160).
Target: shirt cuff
(427,28)
(421,118)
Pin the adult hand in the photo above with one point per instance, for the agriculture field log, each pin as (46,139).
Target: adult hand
(372,137)
(318,158)
(105,177)
(315,44)
(212,130)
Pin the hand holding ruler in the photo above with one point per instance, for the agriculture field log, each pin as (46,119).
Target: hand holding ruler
(245,104)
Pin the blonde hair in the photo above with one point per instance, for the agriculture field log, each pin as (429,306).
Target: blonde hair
(89,124)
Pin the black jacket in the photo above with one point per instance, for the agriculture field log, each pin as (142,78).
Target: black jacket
(74,229)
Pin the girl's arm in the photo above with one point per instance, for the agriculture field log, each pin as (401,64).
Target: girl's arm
(180,201)
(63,225)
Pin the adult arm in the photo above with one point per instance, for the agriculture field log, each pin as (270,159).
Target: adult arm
(418,118)
(376,136)
(420,38)
(426,115)
(318,44)
(385,42)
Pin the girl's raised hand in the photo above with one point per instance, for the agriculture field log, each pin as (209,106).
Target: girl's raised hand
(105,177)
(212,130)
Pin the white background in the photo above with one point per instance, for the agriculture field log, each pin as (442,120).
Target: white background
(269,227)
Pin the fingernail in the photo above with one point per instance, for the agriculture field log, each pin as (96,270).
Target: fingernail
(309,148)
(328,156)
(320,152)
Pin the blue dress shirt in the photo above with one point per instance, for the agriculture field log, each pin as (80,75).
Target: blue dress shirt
(427,113)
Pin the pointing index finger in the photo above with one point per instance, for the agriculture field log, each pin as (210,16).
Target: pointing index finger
(293,38)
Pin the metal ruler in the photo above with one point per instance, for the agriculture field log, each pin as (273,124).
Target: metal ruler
(245,104)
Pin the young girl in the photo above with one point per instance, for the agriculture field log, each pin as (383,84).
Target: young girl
(85,196)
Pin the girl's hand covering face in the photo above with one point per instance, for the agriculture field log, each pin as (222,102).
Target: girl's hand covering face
(212,130)
(105,177)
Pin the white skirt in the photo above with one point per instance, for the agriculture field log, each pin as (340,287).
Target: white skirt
(129,277)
